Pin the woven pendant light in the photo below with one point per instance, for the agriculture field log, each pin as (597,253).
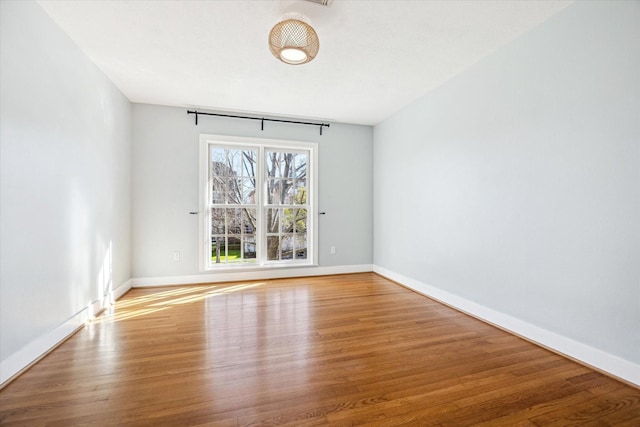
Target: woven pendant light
(294,42)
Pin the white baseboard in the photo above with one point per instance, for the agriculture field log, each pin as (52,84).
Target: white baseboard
(598,359)
(121,290)
(227,276)
(40,347)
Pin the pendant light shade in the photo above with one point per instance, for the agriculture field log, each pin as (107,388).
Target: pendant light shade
(293,42)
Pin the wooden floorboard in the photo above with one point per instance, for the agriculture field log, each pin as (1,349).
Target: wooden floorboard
(335,350)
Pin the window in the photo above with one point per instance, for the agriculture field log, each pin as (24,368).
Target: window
(257,202)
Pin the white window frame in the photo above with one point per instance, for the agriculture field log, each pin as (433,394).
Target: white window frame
(261,145)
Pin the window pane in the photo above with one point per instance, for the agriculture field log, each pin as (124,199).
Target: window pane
(217,190)
(218,254)
(233,249)
(301,221)
(249,191)
(286,247)
(301,195)
(297,193)
(274,191)
(234,162)
(272,220)
(220,168)
(218,155)
(249,163)
(288,165)
(285,185)
(273,248)
(217,221)
(300,166)
(287,220)
(230,162)
(234,221)
(248,221)
(272,164)
(300,242)
(249,247)
(280,164)
(288,191)
(234,191)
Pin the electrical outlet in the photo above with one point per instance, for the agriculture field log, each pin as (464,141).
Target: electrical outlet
(333,250)
(176,256)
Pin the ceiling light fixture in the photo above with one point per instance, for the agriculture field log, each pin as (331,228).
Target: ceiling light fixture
(294,42)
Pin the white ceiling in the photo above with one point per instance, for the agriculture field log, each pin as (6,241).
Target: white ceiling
(375,56)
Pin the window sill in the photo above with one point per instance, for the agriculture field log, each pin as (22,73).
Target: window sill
(246,268)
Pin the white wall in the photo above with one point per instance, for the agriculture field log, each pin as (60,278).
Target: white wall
(65,156)
(165,188)
(516,185)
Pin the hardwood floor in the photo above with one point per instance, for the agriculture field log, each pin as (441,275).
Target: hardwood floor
(339,350)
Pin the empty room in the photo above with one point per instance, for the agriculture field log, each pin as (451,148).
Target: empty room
(320,212)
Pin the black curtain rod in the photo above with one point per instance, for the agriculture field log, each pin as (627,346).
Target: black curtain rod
(262,119)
